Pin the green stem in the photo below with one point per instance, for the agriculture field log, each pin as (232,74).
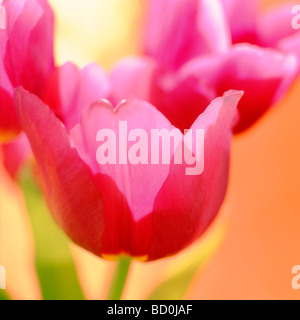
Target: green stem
(119,280)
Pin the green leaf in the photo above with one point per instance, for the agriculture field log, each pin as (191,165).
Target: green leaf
(4,295)
(54,263)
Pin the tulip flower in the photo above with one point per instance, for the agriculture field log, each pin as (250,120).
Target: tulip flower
(263,74)
(179,30)
(68,90)
(123,207)
(191,44)
(26,55)
(277,28)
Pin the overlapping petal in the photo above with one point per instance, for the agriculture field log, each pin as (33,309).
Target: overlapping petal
(26,55)
(198,198)
(263,74)
(124,207)
(242,19)
(179,30)
(69,89)
(75,201)
(276,30)
(263,60)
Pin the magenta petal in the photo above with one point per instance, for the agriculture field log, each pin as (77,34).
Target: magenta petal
(198,198)
(213,26)
(128,225)
(13,40)
(180,98)
(40,59)
(9,124)
(139,183)
(242,17)
(291,45)
(179,30)
(264,75)
(70,89)
(26,54)
(19,48)
(133,77)
(74,199)
(275,25)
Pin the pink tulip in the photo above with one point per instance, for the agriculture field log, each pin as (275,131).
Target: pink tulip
(263,74)
(148,211)
(190,42)
(277,28)
(68,90)
(179,30)
(26,55)
(241,18)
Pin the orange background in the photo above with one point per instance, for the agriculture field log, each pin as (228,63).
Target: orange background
(263,241)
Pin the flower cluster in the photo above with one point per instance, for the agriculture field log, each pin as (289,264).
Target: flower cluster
(215,66)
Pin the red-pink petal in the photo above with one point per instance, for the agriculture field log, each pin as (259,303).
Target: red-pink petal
(70,188)
(139,183)
(263,74)
(242,18)
(70,89)
(275,25)
(198,198)
(178,30)
(291,45)
(180,98)
(26,54)
(133,77)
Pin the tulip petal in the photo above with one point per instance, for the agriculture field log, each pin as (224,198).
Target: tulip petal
(78,211)
(9,125)
(242,19)
(70,89)
(213,26)
(291,45)
(133,77)
(19,38)
(189,28)
(128,225)
(139,183)
(26,54)
(264,75)
(181,99)
(198,198)
(275,25)
(40,59)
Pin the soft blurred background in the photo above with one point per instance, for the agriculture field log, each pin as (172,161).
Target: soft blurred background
(249,251)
